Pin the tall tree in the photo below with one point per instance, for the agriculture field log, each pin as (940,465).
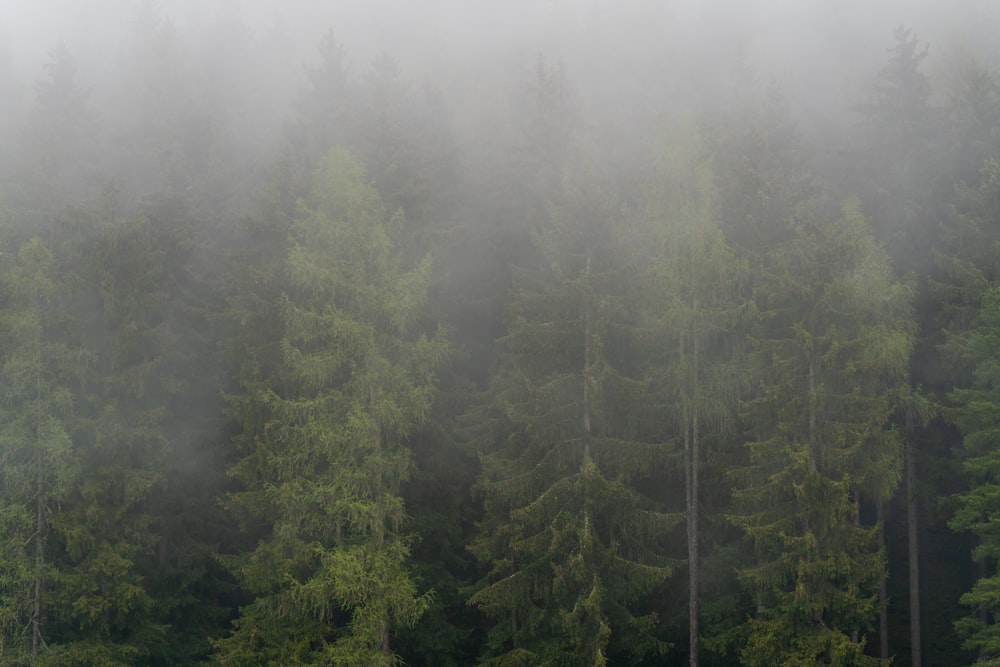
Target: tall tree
(976,411)
(693,308)
(37,456)
(323,428)
(324,115)
(126,271)
(59,160)
(901,190)
(570,545)
(965,288)
(834,345)
(900,123)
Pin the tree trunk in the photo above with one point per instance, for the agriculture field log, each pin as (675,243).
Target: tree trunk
(883,587)
(586,361)
(856,634)
(813,467)
(916,658)
(36,616)
(692,518)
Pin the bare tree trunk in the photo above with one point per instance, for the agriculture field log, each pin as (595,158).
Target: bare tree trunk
(916,658)
(586,362)
(883,587)
(813,467)
(856,634)
(692,518)
(36,616)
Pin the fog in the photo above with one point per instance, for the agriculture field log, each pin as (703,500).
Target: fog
(453,332)
(813,49)
(632,61)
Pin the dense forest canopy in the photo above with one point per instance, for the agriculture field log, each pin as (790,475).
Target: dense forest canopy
(532,333)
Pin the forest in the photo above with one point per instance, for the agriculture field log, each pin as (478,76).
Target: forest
(467,333)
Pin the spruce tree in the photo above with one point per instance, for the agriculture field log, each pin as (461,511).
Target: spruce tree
(570,546)
(58,151)
(323,424)
(569,542)
(39,465)
(692,310)
(833,349)
(117,291)
(976,411)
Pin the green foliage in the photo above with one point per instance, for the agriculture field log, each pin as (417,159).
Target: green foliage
(693,321)
(572,548)
(614,296)
(130,307)
(976,412)
(37,460)
(323,421)
(833,347)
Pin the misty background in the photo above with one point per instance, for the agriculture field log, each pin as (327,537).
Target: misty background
(502,333)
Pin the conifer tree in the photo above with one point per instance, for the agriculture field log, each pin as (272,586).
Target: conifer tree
(569,544)
(325,117)
(693,309)
(976,411)
(967,307)
(834,347)
(58,151)
(568,541)
(37,462)
(323,428)
(126,270)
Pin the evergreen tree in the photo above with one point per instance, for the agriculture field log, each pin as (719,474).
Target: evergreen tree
(571,547)
(976,412)
(325,117)
(323,430)
(833,347)
(967,306)
(693,311)
(901,127)
(122,292)
(58,150)
(38,461)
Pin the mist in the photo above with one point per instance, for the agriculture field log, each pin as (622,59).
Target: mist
(470,333)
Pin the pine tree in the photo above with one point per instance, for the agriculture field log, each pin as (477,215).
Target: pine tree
(325,116)
(58,156)
(125,275)
(323,430)
(833,350)
(38,462)
(693,309)
(902,181)
(976,411)
(966,306)
(570,546)
(901,127)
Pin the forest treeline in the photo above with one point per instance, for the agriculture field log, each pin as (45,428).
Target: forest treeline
(370,386)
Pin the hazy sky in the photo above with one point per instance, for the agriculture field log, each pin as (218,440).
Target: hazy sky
(816,49)
(781,27)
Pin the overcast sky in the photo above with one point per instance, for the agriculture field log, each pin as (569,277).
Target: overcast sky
(820,51)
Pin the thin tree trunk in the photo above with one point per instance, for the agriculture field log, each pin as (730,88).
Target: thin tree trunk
(856,634)
(586,361)
(883,587)
(813,467)
(916,658)
(383,628)
(36,616)
(692,519)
